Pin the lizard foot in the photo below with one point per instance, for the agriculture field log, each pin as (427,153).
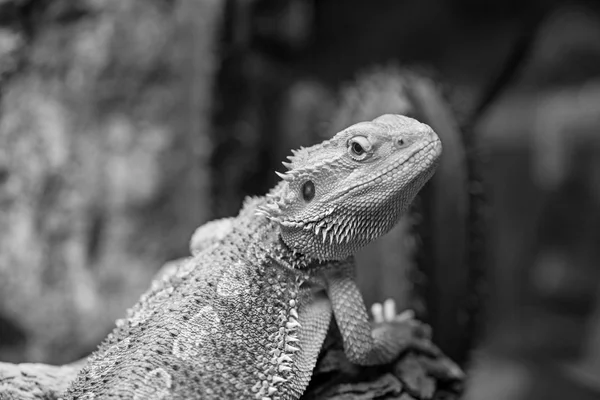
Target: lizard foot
(424,359)
(403,328)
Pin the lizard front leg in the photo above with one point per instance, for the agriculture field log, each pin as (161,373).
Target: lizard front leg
(364,344)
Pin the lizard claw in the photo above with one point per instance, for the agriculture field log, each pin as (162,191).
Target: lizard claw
(386,312)
(405,315)
(377,312)
(389,310)
(404,328)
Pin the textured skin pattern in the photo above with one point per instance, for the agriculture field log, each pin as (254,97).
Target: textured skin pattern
(246,316)
(362,344)
(209,234)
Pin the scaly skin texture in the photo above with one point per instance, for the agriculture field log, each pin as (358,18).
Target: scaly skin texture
(246,316)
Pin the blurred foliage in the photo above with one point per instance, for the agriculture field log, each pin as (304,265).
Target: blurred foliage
(103,166)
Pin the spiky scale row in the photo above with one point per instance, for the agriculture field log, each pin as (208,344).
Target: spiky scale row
(340,230)
(281,359)
(300,168)
(275,206)
(285,340)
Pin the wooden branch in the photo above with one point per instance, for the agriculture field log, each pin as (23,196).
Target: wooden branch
(36,381)
(413,376)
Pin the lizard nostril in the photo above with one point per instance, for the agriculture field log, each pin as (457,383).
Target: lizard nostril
(400,142)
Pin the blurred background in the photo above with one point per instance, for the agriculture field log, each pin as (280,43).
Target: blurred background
(125,124)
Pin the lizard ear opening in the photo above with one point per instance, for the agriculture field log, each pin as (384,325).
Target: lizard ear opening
(308,191)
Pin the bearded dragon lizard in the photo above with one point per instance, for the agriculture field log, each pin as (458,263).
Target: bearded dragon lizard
(246,316)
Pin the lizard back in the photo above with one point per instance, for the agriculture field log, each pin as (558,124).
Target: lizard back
(224,325)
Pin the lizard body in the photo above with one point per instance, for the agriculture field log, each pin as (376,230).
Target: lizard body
(246,316)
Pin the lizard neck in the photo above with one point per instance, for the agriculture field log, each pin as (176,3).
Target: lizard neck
(270,242)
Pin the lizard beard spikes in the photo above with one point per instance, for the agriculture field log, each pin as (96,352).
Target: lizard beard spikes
(363,179)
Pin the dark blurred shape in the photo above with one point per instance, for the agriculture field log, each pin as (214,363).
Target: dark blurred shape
(450,267)
(544,178)
(14,338)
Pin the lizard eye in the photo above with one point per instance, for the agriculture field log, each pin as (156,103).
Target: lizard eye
(308,191)
(359,147)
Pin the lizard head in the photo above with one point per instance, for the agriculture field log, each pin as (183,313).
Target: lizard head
(340,195)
